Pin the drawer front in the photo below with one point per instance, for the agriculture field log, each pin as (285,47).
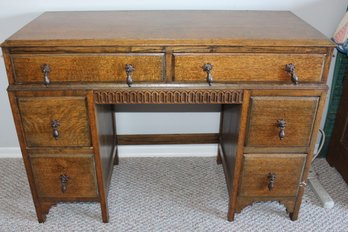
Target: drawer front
(271,175)
(88,68)
(265,129)
(64,176)
(55,121)
(248,67)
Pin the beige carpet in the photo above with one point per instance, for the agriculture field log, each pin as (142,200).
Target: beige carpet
(169,194)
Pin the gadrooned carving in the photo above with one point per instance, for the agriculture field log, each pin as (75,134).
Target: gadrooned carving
(169,96)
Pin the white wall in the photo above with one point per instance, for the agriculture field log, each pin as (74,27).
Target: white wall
(322,14)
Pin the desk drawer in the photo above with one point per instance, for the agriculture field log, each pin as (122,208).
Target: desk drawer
(88,67)
(248,67)
(271,175)
(55,121)
(64,176)
(297,114)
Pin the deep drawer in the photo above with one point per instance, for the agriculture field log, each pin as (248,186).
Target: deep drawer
(88,67)
(265,119)
(55,121)
(259,170)
(64,176)
(248,67)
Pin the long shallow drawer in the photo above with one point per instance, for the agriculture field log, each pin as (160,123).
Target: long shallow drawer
(271,175)
(281,121)
(248,67)
(55,121)
(87,67)
(64,176)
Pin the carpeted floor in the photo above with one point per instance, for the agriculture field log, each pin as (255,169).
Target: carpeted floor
(169,194)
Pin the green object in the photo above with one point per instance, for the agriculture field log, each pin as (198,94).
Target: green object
(340,73)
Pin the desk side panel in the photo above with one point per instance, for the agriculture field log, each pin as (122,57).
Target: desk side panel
(105,125)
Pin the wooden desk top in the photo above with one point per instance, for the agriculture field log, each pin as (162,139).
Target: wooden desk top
(161,28)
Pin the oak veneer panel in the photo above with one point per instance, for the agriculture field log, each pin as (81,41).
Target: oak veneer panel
(78,167)
(115,28)
(229,136)
(88,67)
(288,169)
(298,112)
(37,113)
(107,140)
(248,67)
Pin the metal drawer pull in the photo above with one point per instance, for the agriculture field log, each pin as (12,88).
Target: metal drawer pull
(55,124)
(64,182)
(207,68)
(129,70)
(46,69)
(281,125)
(271,179)
(290,68)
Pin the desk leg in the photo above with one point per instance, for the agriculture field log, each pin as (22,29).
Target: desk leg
(228,149)
(218,157)
(232,140)
(103,142)
(116,159)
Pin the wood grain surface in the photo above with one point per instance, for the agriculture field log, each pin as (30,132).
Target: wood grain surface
(88,67)
(38,113)
(298,112)
(168,139)
(248,67)
(78,167)
(102,28)
(256,168)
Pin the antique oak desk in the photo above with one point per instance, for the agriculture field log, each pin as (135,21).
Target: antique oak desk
(67,71)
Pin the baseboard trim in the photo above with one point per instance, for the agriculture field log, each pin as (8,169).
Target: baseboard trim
(10,152)
(190,150)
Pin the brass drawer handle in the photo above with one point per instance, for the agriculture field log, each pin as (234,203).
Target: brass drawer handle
(64,182)
(46,69)
(271,179)
(55,124)
(129,70)
(290,68)
(207,68)
(281,125)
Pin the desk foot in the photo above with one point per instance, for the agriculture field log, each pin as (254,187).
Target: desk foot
(105,213)
(230,215)
(116,160)
(218,157)
(106,220)
(293,216)
(41,218)
(45,208)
